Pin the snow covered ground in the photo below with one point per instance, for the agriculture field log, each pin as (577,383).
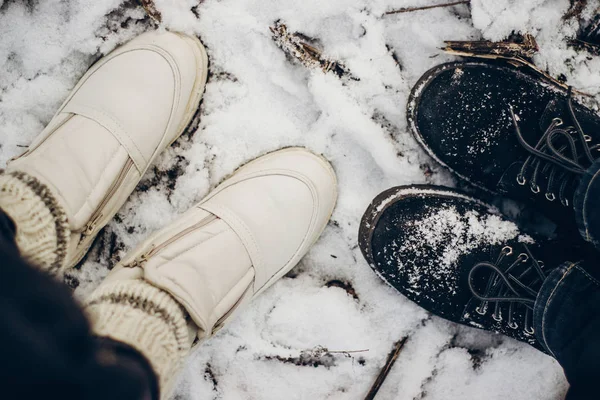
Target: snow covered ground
(258,100)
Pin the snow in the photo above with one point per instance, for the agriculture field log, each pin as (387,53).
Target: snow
(258,100)
(451,235)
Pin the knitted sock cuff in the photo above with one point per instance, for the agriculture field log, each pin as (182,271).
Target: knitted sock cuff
(146,318)
(42,228)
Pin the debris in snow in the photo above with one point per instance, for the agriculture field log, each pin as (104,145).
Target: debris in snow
(386,369)
(411,9)
(577,7)
(151,9)
(519,46)
(317,357)
(296,45)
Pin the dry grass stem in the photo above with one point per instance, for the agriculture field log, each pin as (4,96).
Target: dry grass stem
(296,46)
(151,10)
(392,357)
(411,9)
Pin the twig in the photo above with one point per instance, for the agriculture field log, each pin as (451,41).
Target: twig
(518,62)
(151,10)
(411,9)
(592,48)
(386,369)
(347,351)
(523,46)
(576,9)
(295,45)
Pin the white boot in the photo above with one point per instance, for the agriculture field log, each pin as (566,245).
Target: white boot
(218,256)
(128,107)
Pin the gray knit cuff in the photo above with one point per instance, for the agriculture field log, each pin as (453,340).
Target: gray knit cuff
(146,318)
(42,228)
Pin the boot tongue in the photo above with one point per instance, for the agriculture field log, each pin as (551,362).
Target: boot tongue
(554,109)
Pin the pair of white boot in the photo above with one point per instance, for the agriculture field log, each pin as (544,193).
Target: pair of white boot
(249,232)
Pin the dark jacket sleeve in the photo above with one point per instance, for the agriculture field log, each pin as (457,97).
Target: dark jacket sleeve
(47,350)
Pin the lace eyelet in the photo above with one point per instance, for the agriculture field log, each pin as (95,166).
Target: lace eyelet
(513,325)
(541,264)
(529,331)
(557,121)
(521,180)
(497,318)
(524,257)
(507,250)
(535,189)
(479,311)
(550,196)
(587,138)
(565,202)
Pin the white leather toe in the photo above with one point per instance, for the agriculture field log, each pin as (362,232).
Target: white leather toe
(278,205)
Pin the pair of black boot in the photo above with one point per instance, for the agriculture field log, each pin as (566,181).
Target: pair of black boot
(512,134)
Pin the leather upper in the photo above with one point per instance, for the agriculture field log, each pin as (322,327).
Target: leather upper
(125,110)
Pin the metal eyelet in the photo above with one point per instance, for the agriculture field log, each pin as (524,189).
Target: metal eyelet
(550,196)
(507,250)
(524,257)
(497,318)
(541,264)
(513,325)
(521,180)
(480,312)
(557,121)
(535,189)
(565,202)
(587,138)
(529,331)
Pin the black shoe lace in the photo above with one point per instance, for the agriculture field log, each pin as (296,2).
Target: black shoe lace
(561,168)
(514,286)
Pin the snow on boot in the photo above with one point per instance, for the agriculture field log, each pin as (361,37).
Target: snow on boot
(458,258)
(506,132)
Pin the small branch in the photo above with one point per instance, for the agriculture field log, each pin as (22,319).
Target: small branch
(411,9)
(295,45)
(579,44)
(523,46)
(386,369)
(577,7)
(151,10)
(347,351)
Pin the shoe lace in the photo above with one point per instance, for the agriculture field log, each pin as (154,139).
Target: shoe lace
(514,285)
(560,162)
